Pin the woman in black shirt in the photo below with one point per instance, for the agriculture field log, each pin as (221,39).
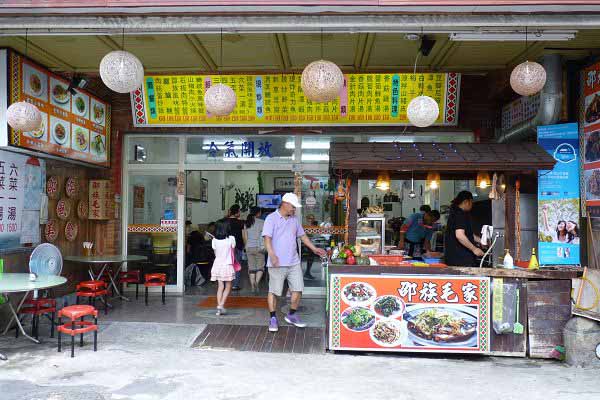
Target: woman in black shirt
(460,249)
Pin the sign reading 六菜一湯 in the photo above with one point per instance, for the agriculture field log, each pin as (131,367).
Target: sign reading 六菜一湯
(409,313)
(75,125)
(365,99)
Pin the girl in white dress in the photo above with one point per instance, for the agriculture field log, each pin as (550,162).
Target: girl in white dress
(222,270)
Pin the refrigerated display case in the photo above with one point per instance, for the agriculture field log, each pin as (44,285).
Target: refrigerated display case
(370,235)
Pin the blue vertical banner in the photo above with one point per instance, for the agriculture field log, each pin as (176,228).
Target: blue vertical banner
(558,196)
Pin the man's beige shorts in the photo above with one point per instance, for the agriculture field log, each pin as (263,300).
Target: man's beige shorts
(278,276)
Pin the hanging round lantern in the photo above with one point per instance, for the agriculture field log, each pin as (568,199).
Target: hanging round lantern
(528,78)
(422,111)
(322,81)
(220,100)
(121,71)
(24,116)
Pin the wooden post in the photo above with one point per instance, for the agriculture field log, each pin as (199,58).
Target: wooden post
(352,217)
(509,214)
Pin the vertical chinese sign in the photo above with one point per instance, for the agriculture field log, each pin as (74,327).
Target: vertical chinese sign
(12,186)
(101,200)
(409,313)
(558,196)
(591,139)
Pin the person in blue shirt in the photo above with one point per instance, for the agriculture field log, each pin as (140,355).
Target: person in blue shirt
(416,233)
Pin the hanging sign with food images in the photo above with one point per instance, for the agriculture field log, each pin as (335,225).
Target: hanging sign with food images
(590,81)
(410,313)
(365,99)
(75,124)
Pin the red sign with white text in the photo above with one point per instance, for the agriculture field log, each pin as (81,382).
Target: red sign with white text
(411,313)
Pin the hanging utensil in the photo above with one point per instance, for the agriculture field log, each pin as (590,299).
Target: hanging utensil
(518,327)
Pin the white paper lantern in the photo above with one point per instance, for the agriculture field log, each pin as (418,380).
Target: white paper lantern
(24,116)
(322,81)
(220,100)
(121,71)
(528,78)
(422,111)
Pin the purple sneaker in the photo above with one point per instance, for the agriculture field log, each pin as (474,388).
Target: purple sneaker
(273,325)
(294,319)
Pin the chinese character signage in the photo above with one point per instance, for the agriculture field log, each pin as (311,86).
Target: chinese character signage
(75,125)
(21,182)
(367,99)
(409,313)
(522,109)
(558,196)
(101,200)
(591,139)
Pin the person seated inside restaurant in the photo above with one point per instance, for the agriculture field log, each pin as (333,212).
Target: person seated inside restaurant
(417,231)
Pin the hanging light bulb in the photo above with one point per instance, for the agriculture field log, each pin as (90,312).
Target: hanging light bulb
(383,181)
(422,111)
(483,180)
(412,193)
(433,180)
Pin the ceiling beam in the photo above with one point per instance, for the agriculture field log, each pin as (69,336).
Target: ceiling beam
(33,48)
(205,58)
(280,53)
(531,51)
(108,42)
(444,54)
(369,42)
(284,50)
(361,43)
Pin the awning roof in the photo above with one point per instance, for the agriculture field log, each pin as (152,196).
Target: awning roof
(440,157)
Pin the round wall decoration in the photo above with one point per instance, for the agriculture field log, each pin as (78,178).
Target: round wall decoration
(72,187)
(71,230)
(53,187)
(51,230)
(82,209)
(63,209)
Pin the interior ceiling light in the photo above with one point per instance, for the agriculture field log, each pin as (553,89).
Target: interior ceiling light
(412,37)
(412,193)
(121,71)
(24,116)
(483,180)
(550,36)
(322,80)
(528,78)
(433,180)
(220,100)
(383,181)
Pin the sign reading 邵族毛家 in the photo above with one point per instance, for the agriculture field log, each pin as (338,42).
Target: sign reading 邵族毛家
(75,124)
(410,313)
(365,99)
(101,200)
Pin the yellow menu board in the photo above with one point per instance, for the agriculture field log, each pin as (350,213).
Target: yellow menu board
(366,99)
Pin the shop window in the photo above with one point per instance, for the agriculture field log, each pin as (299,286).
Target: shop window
(153,150)
(315,149)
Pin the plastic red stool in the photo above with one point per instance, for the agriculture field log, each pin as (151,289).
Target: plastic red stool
(77,325)
(36,307)
(92,290)
(158,279)
(127,277)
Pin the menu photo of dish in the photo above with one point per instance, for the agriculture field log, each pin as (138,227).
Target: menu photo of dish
(59,94)
(81,105)
(60,132)
(80,139)
(98,112)
(98,145)
(42,132)
(35,82)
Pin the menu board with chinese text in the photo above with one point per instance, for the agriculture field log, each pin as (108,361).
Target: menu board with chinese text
(365,99)
(409,313)
(101,200)
(75,126)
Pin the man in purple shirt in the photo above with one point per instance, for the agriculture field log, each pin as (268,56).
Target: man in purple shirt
(281,230)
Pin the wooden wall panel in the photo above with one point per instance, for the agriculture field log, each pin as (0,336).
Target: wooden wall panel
(510,344)
(549,309)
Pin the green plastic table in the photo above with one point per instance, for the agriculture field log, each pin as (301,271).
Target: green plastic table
(104,262)
(15,283)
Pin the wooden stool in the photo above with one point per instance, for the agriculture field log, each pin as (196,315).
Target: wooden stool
(75,327)
(127,277)
(158,279)
(91,290)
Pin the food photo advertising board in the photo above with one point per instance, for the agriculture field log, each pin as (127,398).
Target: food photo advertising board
(75,126)
(590,83)
(409,313)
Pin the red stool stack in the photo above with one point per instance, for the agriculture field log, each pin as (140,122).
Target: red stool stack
(158,279)
(127,277)
(92,290)
(77,325)
(36,307)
